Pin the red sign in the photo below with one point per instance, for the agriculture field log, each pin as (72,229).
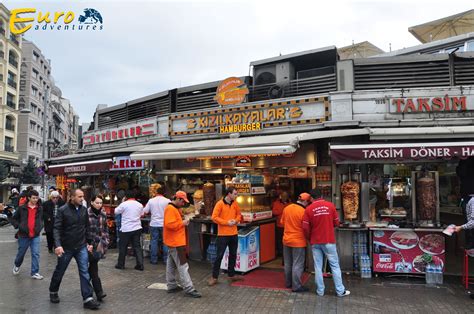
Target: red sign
(243,162)
(462,150)
(86,167)
(125,163)
(407,251)
(434,104)
(144,128)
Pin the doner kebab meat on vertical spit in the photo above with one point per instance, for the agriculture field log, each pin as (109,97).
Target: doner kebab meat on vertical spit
(350,199)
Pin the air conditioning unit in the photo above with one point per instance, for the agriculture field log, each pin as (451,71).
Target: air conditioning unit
(279,73)
(276,76)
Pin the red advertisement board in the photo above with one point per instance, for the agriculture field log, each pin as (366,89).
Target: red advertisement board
(406,251)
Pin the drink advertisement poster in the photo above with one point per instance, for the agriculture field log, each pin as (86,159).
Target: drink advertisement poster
(248,251)
(407,251)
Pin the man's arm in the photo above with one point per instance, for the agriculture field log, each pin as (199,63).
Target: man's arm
(470,220)
(238,216)
(335,216)
(173,220)
(119,209)
(147,208)
(58,226)
(15,219)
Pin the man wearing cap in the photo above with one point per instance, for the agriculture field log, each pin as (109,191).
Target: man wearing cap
(131,230)
(174,236)
(156,206)
(319,220)
(294,242)
(50,208)
(226,215)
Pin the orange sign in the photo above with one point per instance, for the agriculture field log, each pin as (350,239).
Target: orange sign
(231,91)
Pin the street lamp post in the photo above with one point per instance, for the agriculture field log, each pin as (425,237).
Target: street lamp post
(43,150)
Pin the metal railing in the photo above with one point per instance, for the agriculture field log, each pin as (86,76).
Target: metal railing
(13,62)
(10,126)
(11,104)
(9,148)
(12,83)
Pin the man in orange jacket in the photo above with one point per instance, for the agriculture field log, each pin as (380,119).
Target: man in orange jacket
(226,215)
(174,236)
(294,242)
(277,210)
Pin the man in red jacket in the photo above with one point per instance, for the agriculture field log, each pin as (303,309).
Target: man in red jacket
(319,221)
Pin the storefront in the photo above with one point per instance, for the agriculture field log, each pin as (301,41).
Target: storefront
(399,196)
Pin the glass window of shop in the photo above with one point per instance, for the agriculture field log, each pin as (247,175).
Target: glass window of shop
(392,186)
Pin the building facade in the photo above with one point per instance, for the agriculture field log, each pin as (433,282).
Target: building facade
(34,88)
(10,59)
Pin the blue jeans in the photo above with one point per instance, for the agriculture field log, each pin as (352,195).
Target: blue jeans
(330,250)
(34,245)
(82,260)
(156,244)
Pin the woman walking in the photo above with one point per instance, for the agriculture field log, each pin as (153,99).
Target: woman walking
(99,233)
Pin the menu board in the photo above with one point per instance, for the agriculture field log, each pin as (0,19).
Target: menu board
(407,251)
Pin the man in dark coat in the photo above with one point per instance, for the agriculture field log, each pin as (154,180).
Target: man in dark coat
(50,208)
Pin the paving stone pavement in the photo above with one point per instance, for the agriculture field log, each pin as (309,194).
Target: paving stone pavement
(127,291)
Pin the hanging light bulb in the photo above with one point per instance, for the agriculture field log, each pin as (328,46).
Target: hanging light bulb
(107,197)
(115,198)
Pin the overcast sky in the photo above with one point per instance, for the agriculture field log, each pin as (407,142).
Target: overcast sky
(151,46)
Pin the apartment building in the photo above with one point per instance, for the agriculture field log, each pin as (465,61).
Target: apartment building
(10,58)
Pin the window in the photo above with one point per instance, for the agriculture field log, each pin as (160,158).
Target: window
(13,58)
(2,27)
(10,123)
(37,129)
(470,46)
(32,125)
(34,108)
(11,101)
(35,73)
(35,56)
(37,145)
(32,143)
(34,91)
(9,144)
(11,79)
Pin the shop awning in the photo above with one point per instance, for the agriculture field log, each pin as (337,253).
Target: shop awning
(256,145)
(81,167)
(401,152)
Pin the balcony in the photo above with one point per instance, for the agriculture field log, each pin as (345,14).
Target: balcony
(12,83)
(9,148)
(13,62)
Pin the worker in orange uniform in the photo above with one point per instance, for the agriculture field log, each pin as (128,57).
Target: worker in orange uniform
(226,215)
(277,210)
(294,242)
(174,236)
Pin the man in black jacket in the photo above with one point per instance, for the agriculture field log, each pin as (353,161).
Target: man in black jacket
(50,208)
(28,220)
(71,227)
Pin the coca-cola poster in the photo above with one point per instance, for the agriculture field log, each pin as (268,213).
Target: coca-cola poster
(406,251)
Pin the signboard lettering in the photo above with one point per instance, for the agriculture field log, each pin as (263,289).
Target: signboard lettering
(134,130)
(433,104)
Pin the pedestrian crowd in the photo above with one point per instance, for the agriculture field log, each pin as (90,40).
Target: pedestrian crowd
(74,231)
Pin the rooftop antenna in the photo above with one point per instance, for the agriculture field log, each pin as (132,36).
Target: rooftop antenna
(390,47)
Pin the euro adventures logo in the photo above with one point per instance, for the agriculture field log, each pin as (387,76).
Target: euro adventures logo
(22,20)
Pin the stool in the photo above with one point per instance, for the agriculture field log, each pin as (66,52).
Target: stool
(466,280)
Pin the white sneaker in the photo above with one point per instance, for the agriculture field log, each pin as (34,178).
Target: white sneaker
(37,276)
(16,270)
(345,294)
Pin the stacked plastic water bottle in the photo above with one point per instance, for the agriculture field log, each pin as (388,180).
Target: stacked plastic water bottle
(434,274)
(365,266)
(359,247)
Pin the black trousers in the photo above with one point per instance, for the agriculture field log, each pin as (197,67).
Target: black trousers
(222,243)
(134,237)
(50,240)
(94,274)
(279,240)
